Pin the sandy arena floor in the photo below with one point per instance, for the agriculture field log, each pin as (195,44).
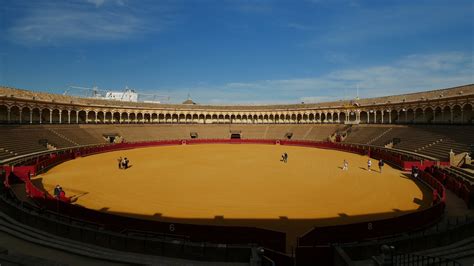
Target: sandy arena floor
(239,182)
(234,181)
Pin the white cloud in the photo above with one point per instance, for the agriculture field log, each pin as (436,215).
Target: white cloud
(53,24)
(409,74)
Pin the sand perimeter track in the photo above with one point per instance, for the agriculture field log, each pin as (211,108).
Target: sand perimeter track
(236,181)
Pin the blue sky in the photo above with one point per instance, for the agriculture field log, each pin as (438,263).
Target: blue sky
(238,51)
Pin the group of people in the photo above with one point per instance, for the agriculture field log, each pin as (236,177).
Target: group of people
(345,165)
(123,163)
(284,157)
(59,192)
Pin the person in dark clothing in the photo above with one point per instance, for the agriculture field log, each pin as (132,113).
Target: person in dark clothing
(415,171)
(57,190)
(125,161)
(120,161)
(381,164)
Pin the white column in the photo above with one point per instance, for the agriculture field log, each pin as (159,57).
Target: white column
(31,116)
(381,119)
(60,115)
(50,116)
(41,116)
(77,117)
(69,116)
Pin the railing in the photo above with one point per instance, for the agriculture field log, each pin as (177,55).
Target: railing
(414,259)
(386,227)
(378,228)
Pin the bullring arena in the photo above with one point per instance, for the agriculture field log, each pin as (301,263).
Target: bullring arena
(206,184)
(245,184)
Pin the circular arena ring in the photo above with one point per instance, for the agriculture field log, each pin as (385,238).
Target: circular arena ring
(222,192)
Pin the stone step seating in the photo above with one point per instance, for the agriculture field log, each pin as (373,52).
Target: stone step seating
(364,135)
(250,132)
(19,142)
(458,250)
(387,130)
(79,135)
(396,132)
(459,172)
(278,131)
(442,148)
(321,133)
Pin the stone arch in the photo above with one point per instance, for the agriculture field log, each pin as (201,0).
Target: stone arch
(182,118)
(36,115)
(457,114)
(45,116)
(174,118)
(132,117)
(91,117)
(108,117)
(82,116)
(447,114)
(394,117)
(386,116)
(323,117)
(364,117)
(25,115)
(140,118)
(418,116)
(100,117)
(402,116)
(207,118)
(342,117)
(378,116)
(124,117)
(429,115)
(468,117)
(3,114)
(15,115)
(73,115)
(116,117)
(167,118)
(329,117)
(410,116)
(438,115)
(64,117)
(55,116)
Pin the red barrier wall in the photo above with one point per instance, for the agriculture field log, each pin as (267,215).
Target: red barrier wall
(385,227)
(343,233)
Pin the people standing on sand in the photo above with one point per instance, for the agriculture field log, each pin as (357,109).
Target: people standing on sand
(125,162)
(120,161)
(57,191)
(369,164)
(345,165)
(381,164)
(286,157)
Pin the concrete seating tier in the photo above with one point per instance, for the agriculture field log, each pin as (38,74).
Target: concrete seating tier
(435,141)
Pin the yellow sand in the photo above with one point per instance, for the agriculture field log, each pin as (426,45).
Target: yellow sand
(236,181)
